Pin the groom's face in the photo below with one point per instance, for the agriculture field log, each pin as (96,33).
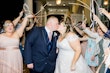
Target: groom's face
(55,24)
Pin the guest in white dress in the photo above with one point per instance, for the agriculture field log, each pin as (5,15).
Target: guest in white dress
(69,58)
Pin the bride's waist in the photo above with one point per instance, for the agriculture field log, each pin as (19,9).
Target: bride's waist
(66,52)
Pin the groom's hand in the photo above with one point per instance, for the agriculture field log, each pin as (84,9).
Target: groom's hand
(30,66)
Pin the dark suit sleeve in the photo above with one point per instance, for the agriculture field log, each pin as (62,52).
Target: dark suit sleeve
(28,46)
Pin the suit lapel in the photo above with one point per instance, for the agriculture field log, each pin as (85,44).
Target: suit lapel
(53,41)
(45,35)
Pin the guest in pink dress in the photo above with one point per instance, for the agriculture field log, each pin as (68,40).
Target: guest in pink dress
(10,55)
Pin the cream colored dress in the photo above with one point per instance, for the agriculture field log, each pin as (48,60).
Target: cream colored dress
(10,55)
(65,57)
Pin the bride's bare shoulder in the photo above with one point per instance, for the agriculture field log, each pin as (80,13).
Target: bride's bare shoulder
(70,34)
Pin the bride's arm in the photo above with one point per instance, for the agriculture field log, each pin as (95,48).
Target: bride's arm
(75,45)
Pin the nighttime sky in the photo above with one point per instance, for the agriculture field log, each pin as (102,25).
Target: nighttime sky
(9,9)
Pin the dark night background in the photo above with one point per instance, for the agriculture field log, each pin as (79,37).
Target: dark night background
(9,9)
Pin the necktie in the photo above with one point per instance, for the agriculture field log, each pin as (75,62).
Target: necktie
(49,41)
(49,46)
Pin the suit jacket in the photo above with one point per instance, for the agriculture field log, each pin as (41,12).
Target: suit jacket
(36,51)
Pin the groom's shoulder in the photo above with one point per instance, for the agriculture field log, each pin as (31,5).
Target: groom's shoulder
(38,28)
(35,28)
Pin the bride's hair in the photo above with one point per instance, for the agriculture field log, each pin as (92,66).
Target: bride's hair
(68,28)
(68,24)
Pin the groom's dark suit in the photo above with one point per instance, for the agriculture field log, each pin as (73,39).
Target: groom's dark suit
(36,50)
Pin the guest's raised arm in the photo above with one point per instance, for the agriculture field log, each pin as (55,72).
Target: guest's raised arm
(23,25)
(102,26)
(105,12)
(16,20)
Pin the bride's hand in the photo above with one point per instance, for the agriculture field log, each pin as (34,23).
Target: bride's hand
(73,67)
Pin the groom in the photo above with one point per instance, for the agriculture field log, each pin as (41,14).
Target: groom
(40,47)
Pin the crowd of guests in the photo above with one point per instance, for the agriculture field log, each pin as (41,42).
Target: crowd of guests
(57,47)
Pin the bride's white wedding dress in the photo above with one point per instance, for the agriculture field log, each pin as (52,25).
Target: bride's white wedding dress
(65,57)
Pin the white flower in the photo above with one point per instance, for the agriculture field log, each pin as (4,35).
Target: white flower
(54,34)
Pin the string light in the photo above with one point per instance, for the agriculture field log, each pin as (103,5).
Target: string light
(58,2)
(106,2)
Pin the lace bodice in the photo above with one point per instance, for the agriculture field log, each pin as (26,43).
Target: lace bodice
(66,55)
(64,45)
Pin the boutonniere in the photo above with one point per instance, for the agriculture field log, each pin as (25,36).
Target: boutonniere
(54,34)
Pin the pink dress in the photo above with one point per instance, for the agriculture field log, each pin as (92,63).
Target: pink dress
(10,55)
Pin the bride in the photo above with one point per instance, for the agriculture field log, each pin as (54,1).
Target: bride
(69,58)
